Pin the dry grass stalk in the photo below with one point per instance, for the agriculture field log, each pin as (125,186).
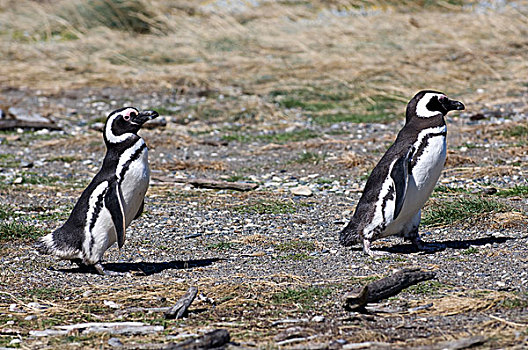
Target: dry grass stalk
(191,165)
(509,220)
(455,159)
(353,160)
(462,303)
(491,171)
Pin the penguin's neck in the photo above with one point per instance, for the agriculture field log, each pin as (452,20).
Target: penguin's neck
(424,123)
(115,151)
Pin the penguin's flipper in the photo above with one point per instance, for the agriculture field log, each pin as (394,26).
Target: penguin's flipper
(114,203)
(400,177)
(140,210)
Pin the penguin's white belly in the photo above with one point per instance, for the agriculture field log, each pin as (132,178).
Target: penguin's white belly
(134,185)
(421,183)
(100,238)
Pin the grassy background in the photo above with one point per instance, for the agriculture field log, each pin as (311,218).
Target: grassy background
(327,57)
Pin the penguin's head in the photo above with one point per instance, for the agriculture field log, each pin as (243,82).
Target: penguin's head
(125,122)
(428,103)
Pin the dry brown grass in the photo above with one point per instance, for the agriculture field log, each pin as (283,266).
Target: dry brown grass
(480,171)
(276,46)
(354,160)
(454,159)
(510,220)
(191,165)
(464,303)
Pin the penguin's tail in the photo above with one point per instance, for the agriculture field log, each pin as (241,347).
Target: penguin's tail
(48,245)
(45,245)
(349,235)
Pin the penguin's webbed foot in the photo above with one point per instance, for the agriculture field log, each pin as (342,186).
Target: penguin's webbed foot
(100,270)
(426,247)
(79,262)
(369,252)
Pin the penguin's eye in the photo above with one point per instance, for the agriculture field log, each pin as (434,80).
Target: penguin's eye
(126,117)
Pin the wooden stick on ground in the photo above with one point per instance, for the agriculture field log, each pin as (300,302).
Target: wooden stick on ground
(10,124)
(209,183)
(180,308)
(385,287)
(213,340)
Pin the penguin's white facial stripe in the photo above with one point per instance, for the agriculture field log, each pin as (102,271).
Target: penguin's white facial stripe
(127,155)
(421,106)
(110,136)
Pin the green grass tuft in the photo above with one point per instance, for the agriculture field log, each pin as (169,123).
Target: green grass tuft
(18,230)
(44,292)
(6,211)
(516,191)
(427,287)
(36,179)
(221,246)
(303,296)
(450,212)
(520,131)
(267,207)
(470,251)
(131,16)
(309,157)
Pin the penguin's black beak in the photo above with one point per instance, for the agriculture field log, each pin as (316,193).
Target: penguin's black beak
(452,105)
(144,116)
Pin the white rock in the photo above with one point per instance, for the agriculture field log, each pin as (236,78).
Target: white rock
(318,319)
(111,304)
(301,191)
(37,306)
(47,332)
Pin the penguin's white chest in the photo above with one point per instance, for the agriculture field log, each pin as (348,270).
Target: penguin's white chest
(422,180)
(135,184)
(425,174)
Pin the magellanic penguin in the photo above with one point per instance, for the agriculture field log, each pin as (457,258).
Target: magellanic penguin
(404,178)
(112,200)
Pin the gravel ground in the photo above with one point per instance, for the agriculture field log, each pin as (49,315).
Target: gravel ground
(267,263)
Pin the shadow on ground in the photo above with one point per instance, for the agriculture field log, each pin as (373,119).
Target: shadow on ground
(408,248)
(145,268)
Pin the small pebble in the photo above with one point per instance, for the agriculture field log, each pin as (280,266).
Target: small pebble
(115,342)
(318,319)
